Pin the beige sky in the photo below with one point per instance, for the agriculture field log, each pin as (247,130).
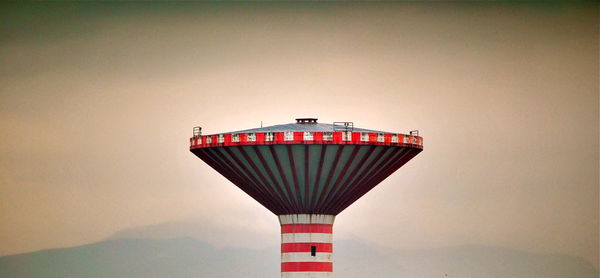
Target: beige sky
(97,102)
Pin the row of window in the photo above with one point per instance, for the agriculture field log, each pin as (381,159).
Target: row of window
(308,136)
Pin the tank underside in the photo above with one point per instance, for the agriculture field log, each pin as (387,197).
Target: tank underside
(306,178)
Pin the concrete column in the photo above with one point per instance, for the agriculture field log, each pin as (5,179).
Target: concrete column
(306,245)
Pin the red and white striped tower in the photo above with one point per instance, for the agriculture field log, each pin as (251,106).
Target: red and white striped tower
(306,173)
(306,245)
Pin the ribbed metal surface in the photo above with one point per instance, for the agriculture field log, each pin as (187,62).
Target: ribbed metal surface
(306,179)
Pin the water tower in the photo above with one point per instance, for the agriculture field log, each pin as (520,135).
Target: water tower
(306,173)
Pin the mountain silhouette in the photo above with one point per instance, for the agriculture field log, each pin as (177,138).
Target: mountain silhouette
(188,257)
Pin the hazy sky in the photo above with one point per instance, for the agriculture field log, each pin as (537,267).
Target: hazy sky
(97,102)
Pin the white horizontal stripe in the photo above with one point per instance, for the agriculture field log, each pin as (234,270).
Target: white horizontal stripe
(306,274)
(307,237)
(306,219)
(306,257)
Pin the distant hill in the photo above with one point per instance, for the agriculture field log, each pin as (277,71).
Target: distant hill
(187,257)
(128,258)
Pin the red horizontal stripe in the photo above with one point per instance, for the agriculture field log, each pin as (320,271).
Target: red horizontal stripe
(306,228)
(305,247)
(306,266)
(278,138)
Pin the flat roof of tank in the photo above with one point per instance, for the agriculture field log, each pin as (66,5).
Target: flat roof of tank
(309,127)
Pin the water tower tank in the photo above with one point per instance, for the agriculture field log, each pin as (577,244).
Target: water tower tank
(306,173)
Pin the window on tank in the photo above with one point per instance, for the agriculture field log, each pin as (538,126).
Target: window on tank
(269,136)
(308,135)
(347,136)
(289,136)
(364,137)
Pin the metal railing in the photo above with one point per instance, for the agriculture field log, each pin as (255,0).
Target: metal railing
(343,126)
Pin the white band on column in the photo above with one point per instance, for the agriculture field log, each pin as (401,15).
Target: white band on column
(307,275)
(306,219)
(307,237)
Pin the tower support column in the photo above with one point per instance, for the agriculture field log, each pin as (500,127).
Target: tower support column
(306,245)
